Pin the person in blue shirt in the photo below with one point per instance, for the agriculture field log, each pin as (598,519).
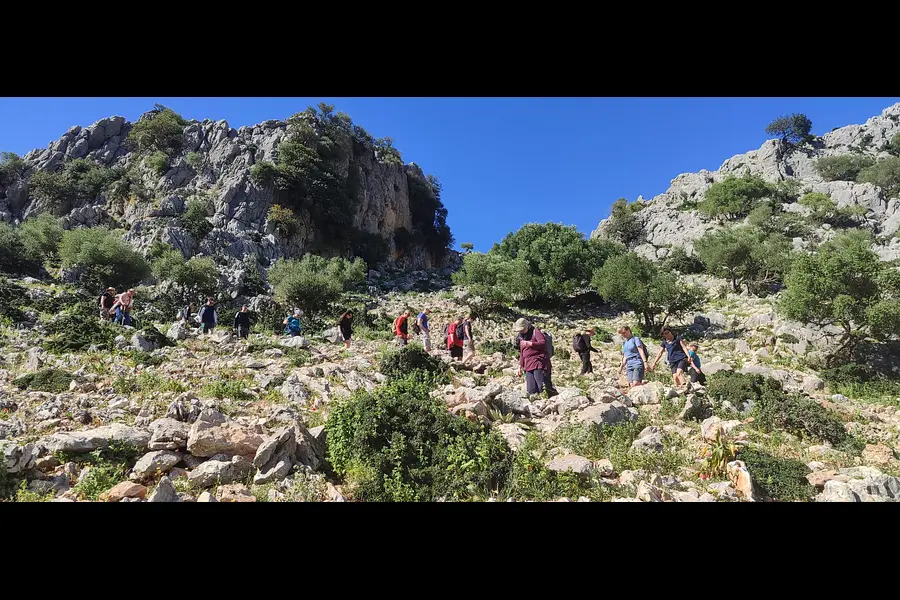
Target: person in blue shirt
(697,376)
(424,331)
(677,352)
(634,357)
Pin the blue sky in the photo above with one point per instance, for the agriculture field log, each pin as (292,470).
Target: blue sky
(503,162)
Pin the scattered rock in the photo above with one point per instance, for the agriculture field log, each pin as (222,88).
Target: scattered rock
(125,489)
(877,454)
(234,493)
(168,434)
(513,434)
(155,463)
(228,438)
(741,480)
(164,492)
(219,469)
(649,440)
(206,497)
(89,440)
(649,393)
(812,384)
(571,462)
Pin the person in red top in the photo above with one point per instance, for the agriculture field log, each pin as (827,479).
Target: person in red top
(533,359)
(454,339)
(401,328)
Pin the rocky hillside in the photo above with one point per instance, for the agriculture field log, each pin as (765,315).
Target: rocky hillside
(347,191)
(193,418)
(671,219)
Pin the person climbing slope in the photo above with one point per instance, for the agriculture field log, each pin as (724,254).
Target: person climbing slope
(697,376)
(581,344)
(533,358)
(346,327)
(242,322)
(401,328)
(106,301)
(422,328)
(634,357)
(677,352)
(208,318)
(292,324)
(454,339)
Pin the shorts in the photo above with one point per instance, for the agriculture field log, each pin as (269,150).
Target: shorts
(425,336)
(456,351)
(681,364)
(206,327)
(345,337)
(635,373)
(401,340)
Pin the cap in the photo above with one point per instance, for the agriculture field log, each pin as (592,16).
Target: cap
(522,325)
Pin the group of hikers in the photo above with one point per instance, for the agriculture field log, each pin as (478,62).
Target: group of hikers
(535,347)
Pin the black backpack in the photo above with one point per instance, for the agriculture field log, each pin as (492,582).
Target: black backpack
(578,344)
(416,329)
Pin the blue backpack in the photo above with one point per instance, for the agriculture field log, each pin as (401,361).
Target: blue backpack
(293,325)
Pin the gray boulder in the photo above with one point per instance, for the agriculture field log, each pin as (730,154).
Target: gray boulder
(89,440)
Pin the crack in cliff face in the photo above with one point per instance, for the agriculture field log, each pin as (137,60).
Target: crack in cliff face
(671,220)
(213,164)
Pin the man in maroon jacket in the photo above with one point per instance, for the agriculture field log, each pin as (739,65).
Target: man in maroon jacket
(533,359)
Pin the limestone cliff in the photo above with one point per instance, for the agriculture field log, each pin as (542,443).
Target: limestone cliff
(667,221)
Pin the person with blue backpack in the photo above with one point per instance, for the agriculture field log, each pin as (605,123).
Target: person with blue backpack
(292,324)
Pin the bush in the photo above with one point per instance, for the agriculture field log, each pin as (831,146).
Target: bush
(157,162)
(397,364)
(224,388)
(263,173)
(45,380)
(818,202)
(41,236)
(51,189)
(13,256)
(800,415)
(78,329)
(844,167)
(678,260)
(429,217)
(197,276)
(194,219)
(373,248)
(885,174)
(735,197)
(103,258)
(623,226)
(313,283)
(101,478)
(844,284)
(194,160)
(893,146)
(400,444)
(629,280)
(538,263)
(162,131)
(12,168)
(283,220)
(745,256)
(504,346)
(782,479)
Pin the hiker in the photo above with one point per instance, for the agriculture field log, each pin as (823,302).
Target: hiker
(208,316)
(346,327)
(454,339)
(581,344)
(634,357)
(421,327)
(401,328)
(242,322)
(184,315)
(106,301)
(292,324)
(122,306)
(677,353)
(468,340)
(697,376)
(533,358)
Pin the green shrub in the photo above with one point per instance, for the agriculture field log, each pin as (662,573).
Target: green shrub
(818,202)
(99,479)
(51,189)
(194,160)
(313,283)
(505,346)
(885,174)
(12,168)
(537,263)
(400,444)
(632,281)
(139,357)
(283,220)
(227,388)
(800,415)
(429,216)
(197,276)
(157,162)
(103,258)
(79,328)
(13,256)
(397,364)
(194,219)
(23,494)
(41,236)
(263,173)
(735,197)
(678,260)
(792,129)
(373,248)
(623,226)
(601,335)
(893,146)
(782,479)
(845,167)
(861,382)
(746,257)
(45,380)
(162,131)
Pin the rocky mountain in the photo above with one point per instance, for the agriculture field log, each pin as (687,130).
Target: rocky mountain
(671,220)
(146,192)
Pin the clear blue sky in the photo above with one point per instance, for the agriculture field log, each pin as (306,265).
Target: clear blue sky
(503,162)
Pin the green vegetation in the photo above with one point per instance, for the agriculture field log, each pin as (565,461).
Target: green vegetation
(195,277)
(12,168)
(861,382)
(78,328)
(227,388)
(678,260)
(13,257)
(735,197)
(373,248)
(885,174)
(629,280)
(400,444)
(398,364)
(194,160)
(845,285)
(313,283)
(429,217)
(538,263)
(467,246)
(284,221)
(41,236)
(893,146)
(623,226)
(792,129)
(45,380)
(844,167)
(195,220)
(162,131)
(782,479)
(102,258)
(491,346)
(157,162)
(745,256)
(78,181)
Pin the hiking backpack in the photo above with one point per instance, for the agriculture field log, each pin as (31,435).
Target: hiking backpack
(548,338)
(293,324)
(578,344)
(416,329)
